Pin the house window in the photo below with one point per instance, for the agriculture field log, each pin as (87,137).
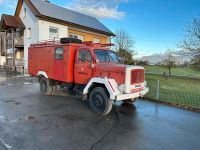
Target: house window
(76,36)
(59,53)
(24,14)
(29,33)
(53,33)
(97,40)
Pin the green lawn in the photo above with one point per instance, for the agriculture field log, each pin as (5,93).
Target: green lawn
(175,71)
(176,90)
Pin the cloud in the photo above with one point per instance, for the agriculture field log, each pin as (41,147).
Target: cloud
(9,4)
(99,8)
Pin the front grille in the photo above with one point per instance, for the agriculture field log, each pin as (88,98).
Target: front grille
(137,76)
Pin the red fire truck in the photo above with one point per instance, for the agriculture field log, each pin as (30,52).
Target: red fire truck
(86,68)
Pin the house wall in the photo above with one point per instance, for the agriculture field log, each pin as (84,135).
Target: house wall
(40,31)
(44,30)
(89,36)
(32,22)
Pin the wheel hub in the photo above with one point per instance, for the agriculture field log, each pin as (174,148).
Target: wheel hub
(98,101)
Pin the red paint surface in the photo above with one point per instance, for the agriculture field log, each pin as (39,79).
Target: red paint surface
(42,58)
(82,70)
(110,70)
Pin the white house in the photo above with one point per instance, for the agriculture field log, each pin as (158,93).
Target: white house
(39,20)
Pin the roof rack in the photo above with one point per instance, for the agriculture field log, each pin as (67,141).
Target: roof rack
(46,42)
(53,42)
(90,43)
(107,45)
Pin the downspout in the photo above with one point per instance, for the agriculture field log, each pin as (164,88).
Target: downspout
(111,39)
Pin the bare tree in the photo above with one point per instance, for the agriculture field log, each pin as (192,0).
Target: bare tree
(124,44)
(191,41)
(169,63)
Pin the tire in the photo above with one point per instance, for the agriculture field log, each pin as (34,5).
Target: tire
(129,101)
(99,101)
(45,86)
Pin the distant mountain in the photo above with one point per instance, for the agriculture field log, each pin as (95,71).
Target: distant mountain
(180,57)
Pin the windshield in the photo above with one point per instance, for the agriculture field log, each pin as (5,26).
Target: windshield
(106,56)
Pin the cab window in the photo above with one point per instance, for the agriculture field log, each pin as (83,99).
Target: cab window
(59,53)
(106,56)
(102,55)
(113,57)
(84,56)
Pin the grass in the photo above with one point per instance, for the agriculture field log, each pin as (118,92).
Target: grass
(175,90)
(175,71)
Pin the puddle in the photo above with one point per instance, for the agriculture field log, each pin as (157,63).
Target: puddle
(17,103)
(27,83)
(10,101)
(3,118)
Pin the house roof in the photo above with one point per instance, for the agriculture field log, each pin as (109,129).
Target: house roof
(47,10)
(8,21)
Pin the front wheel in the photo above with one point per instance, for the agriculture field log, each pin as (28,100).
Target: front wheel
(99,101)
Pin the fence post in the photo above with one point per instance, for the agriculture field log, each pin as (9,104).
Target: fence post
(158,89)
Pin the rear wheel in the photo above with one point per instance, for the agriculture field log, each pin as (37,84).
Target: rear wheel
(99,101)
(45,86)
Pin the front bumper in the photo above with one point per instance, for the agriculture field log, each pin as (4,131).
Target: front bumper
(132,95)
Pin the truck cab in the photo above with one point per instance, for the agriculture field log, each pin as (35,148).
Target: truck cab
(90,59)
(89,69)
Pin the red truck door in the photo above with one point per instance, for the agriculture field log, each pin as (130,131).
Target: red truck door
(59,64)
(83,69)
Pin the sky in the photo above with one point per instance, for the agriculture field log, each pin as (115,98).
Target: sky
(155,25)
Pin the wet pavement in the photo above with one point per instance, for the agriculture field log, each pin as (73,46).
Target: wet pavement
(31,121)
